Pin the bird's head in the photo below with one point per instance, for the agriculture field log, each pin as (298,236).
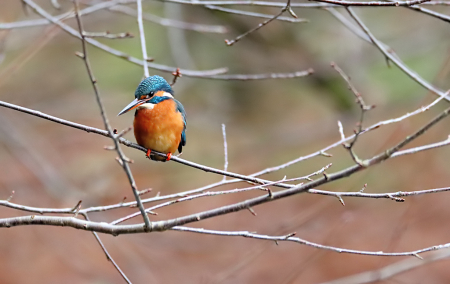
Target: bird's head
(149,87)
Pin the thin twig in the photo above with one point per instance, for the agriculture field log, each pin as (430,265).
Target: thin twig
(108,35)
(225,150)
(176,75)
(108,256)
(359,194)
(286,8)
(291,238)
(364,108)
(142,38)
(422,148)
(373,3)
(253,14)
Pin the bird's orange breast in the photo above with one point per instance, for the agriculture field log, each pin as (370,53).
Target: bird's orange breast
(159,128)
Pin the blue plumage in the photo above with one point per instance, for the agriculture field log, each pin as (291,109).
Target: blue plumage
(151,85)
(180,108)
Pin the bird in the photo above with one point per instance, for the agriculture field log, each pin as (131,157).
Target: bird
(160,120)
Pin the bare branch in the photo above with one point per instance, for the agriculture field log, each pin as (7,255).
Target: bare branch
(390,54)
(130,229)
(108,127)
(396,196)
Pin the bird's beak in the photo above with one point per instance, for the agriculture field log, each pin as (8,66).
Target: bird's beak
(132,105)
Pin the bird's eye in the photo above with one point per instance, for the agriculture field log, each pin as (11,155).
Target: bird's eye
(152,93)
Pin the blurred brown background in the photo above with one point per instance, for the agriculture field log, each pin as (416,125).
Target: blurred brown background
(268,123)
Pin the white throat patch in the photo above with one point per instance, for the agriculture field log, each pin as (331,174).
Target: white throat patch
(146,105)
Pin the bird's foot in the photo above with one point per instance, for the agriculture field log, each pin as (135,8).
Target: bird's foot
(148,153)
(169,155)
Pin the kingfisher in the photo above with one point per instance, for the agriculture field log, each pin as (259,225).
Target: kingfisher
(160,120)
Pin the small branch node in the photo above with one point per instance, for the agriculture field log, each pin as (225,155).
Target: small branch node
(252,211)
(119,161)
(397,199)
(418,256)
(356,159)
(11,196)
(56,5)
(292,12)
(77,206)
(340,199)
(176,74)
(109,148)
(123,132)
(289,235)
(144,191)
(80,54)
(225,149)
(77,210)
(126,159)
(363,188)
(341,130)
(325,154)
